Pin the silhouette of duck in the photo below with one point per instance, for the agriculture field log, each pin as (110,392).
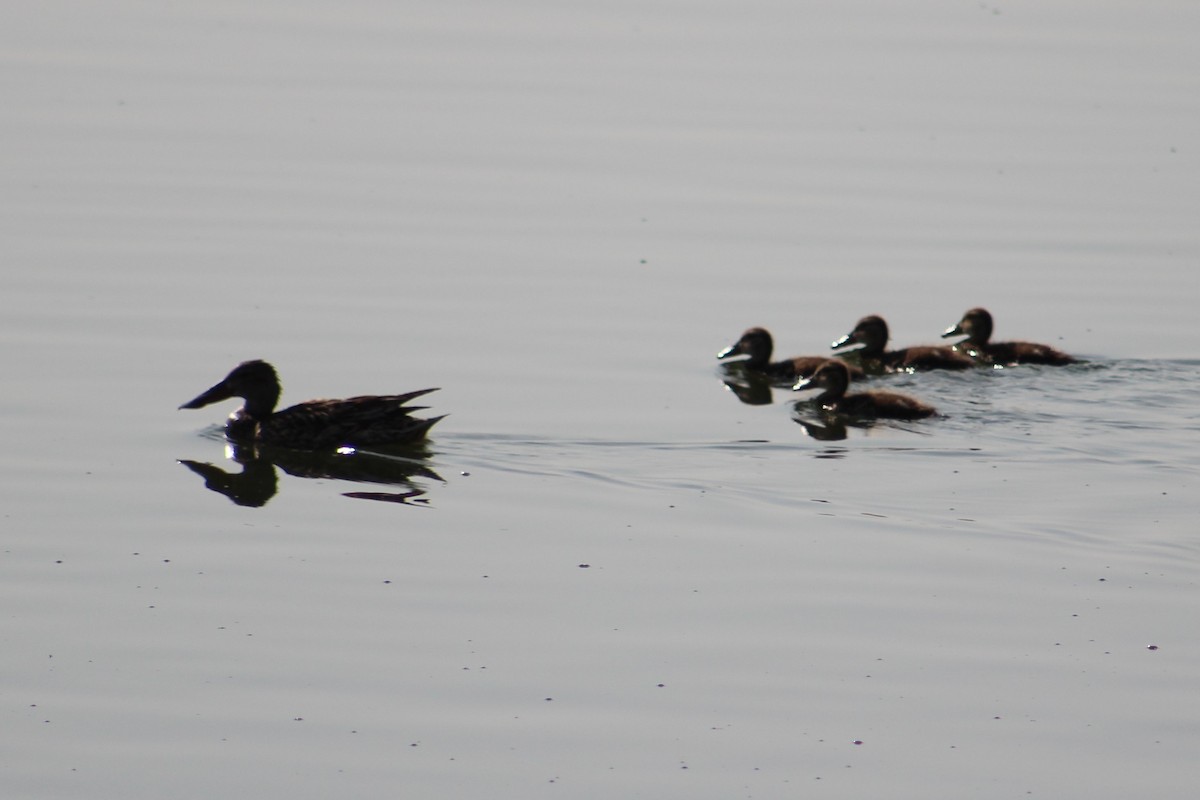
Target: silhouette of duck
(366,420)
(833,379)
(872,334)
(976,325)
(758,345)
(258,482)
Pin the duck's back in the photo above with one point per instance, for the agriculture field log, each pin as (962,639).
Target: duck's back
(927,357)
(354,421)
(1025,353)
(805,367)
(877,403)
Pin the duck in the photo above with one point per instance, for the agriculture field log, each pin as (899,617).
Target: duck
(976,325)
(833,379)
(758,344)
(316,424)
(871,333)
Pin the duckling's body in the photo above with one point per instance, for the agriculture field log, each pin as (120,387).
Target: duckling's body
(872,334)
(317,424)
(756,343)
(834,379)
(976,325)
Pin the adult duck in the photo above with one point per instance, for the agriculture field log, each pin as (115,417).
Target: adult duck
(833,379)
(976,325)
(757,345)
(871,337)
(317,424)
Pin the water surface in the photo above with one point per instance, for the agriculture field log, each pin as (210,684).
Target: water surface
(610,576)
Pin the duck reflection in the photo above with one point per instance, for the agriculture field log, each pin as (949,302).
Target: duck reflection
(828,428)
(258,482)
(750,386)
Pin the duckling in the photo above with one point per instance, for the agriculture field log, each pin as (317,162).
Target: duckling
(834,379)
(872,334)
(758,345)
(976,325)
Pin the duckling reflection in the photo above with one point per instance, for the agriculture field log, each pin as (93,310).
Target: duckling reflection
(258,482)
(833,380)
(976,325)
(830,429)
(752,388)
(871,335)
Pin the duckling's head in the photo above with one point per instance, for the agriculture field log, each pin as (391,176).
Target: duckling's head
(870,333)
(832,378)
(755,343)
(976,325)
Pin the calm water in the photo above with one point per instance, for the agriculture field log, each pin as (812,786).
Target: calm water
(608,576)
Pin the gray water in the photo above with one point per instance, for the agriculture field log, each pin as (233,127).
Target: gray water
(608,576)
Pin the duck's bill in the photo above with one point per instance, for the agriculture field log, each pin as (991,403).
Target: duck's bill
(219,392)
(802,384)
(845,341)
(953,330)
(729,352)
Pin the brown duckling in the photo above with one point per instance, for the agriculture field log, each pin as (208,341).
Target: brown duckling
(834,379)
(976,325)
(317,424)
(872,334)
(757,344)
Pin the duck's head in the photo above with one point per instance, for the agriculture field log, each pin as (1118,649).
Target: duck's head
(871,334)
(253,381)
(832,378)
(755,343)
(976,325)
